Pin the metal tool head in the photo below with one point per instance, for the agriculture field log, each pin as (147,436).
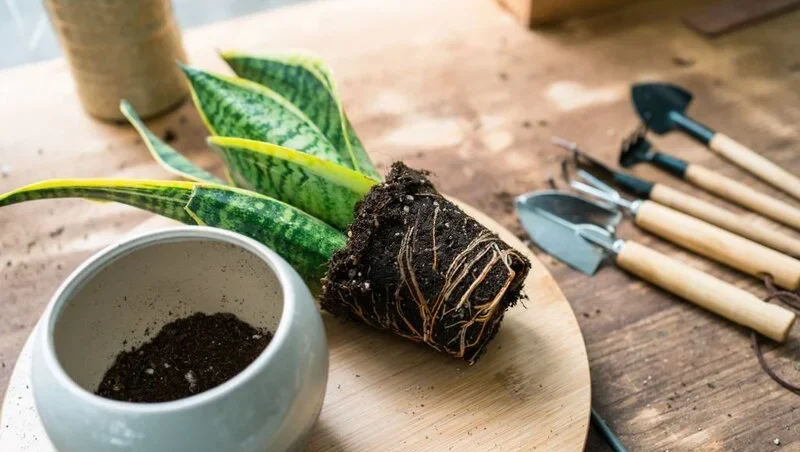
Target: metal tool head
(591,186)
(636,148)
(592,177)
(572,229)
(602,179)
(656,101)
(581,160)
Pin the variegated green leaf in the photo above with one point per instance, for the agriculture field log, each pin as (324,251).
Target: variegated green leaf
(305,242)
(235,107)
(318,187)
(164,154)
(166,198)
(307,83)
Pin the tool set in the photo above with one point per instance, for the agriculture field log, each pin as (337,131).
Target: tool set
(582,232)
(681,201)
(693,234)
(662,108)
(637,148)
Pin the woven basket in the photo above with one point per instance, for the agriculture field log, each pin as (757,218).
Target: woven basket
(121,49)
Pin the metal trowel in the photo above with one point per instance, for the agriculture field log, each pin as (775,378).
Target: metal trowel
(582,233)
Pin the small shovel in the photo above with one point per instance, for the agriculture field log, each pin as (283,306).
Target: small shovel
(661,106)
(637,149)
(581,233)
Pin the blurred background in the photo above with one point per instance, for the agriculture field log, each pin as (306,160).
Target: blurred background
(26,35)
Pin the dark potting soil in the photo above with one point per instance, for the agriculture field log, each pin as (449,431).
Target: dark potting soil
(188,356)
(417,265)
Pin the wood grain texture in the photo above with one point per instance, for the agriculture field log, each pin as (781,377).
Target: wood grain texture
(706,291)
(734,191)
(724,218)
(388,394)
(718,244)
(751,161)
(459,88)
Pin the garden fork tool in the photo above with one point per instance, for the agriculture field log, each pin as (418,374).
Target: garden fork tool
(662,107)
(681,201)
(693,234)
(637,148)
(581,233)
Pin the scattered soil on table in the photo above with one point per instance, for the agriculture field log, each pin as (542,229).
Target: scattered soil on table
(506,201)
(170,136)
(682,62)
(188,356)
(418,266)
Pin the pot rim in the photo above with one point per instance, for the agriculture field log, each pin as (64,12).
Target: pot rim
(96,263)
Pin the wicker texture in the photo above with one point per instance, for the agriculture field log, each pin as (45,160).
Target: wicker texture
(121,49)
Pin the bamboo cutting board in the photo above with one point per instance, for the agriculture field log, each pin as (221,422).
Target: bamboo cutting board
(530,391)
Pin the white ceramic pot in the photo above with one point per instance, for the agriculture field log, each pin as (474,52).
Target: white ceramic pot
(137,286)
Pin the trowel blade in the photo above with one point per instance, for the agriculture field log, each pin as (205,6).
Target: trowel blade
(553,220)
(655,101)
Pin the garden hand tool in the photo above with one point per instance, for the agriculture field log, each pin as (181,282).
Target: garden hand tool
(690,205)
(637,148)
(581,233)
(696,235)
(661,106)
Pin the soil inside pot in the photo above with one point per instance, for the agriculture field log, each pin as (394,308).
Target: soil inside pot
(417,265)
(188,356)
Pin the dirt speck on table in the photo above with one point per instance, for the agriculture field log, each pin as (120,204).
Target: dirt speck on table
(170,136)
(682,61)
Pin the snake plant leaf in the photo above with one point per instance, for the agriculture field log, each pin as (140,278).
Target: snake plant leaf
(318,187)
(307,83)
(165,155)
(166,198)
(235,107)
(304,241)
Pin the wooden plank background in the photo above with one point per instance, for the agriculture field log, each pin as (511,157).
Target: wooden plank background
(456,86)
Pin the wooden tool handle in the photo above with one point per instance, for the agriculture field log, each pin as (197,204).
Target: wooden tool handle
(755,163)
(718,244)
(725,219)
(743,195)
(706,291)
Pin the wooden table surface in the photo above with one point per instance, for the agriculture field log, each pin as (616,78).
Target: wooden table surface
(456,86)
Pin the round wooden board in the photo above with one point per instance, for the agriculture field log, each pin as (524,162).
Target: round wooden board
(530,391)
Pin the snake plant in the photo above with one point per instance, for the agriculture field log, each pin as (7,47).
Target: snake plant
(295,169)
(296,176)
